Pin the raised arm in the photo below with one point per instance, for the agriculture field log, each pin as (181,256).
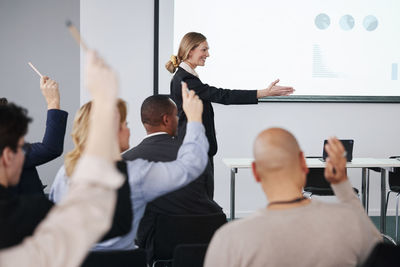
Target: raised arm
(52,145)
(335,173)
(163,177)
(71,228)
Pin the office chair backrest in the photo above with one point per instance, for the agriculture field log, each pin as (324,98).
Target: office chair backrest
(394,178)
(120,258)
(172,230)
(383,255)
(189,255)
(316,179)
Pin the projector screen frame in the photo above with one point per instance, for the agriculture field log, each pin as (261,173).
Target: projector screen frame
(158,67)
(332,99)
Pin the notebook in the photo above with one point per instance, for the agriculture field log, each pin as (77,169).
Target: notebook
(348,146)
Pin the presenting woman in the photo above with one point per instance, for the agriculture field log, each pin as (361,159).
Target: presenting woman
(193,52)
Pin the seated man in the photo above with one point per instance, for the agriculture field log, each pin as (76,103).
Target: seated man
(159,118)
(293,230)
(149,180)
(70,229)
(52,144)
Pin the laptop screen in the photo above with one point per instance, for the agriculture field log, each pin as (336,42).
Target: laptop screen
(348,146)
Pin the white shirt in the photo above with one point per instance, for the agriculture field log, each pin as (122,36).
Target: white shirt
(186,67)
(153,134)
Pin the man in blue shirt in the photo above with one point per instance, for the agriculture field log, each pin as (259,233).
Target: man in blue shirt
(149,180)
(159,118)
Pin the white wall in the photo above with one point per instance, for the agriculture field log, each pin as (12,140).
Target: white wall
(35,31)
(372,126)
(123,33)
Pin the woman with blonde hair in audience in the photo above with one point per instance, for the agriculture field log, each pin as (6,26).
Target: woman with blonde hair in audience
(123,214)
(80,131)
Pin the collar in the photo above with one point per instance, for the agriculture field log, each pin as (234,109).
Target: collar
(153,134)
(186,67)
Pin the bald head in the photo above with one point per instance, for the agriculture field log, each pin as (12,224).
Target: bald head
(276,149)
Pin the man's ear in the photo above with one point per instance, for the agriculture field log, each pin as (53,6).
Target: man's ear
(165,119)
(7,156)
(255,174)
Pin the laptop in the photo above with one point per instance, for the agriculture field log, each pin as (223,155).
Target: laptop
(348,146)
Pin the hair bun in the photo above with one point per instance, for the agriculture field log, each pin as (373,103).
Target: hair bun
(174,61)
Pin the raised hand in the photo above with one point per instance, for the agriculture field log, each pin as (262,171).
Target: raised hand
(101,80)
(50,92)
(335,169)
(192,105)
(275,90)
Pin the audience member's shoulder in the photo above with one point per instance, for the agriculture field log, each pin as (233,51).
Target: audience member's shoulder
(338,211)
(242,224)
(334,207)
(129,154)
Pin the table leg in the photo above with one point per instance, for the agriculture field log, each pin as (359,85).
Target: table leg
(363,186)
(383,201)
(233,172)
(367,192)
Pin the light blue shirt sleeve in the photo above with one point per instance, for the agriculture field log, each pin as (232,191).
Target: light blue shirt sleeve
(60,186)
(158,178)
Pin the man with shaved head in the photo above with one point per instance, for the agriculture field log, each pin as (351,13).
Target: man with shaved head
(293,230)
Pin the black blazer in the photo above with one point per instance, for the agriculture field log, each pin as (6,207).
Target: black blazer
(20,215)
(191,199)
(208,94)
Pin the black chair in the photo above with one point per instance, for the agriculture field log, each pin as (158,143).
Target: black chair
(316,184)
(173,230)
(394,187)
(119,258)
(383,255)
(189,255)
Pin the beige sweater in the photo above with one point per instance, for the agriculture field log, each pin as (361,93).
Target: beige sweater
(71,228)
(318,234)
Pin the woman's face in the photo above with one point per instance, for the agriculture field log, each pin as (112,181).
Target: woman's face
(123,136)
(197,57)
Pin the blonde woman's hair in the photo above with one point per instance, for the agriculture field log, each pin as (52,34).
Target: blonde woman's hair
(190,41)
(80,131)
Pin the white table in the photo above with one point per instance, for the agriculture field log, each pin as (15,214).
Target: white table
(364,163)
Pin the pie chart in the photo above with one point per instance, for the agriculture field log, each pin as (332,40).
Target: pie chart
(346,22)
(370,23)
(322,21)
